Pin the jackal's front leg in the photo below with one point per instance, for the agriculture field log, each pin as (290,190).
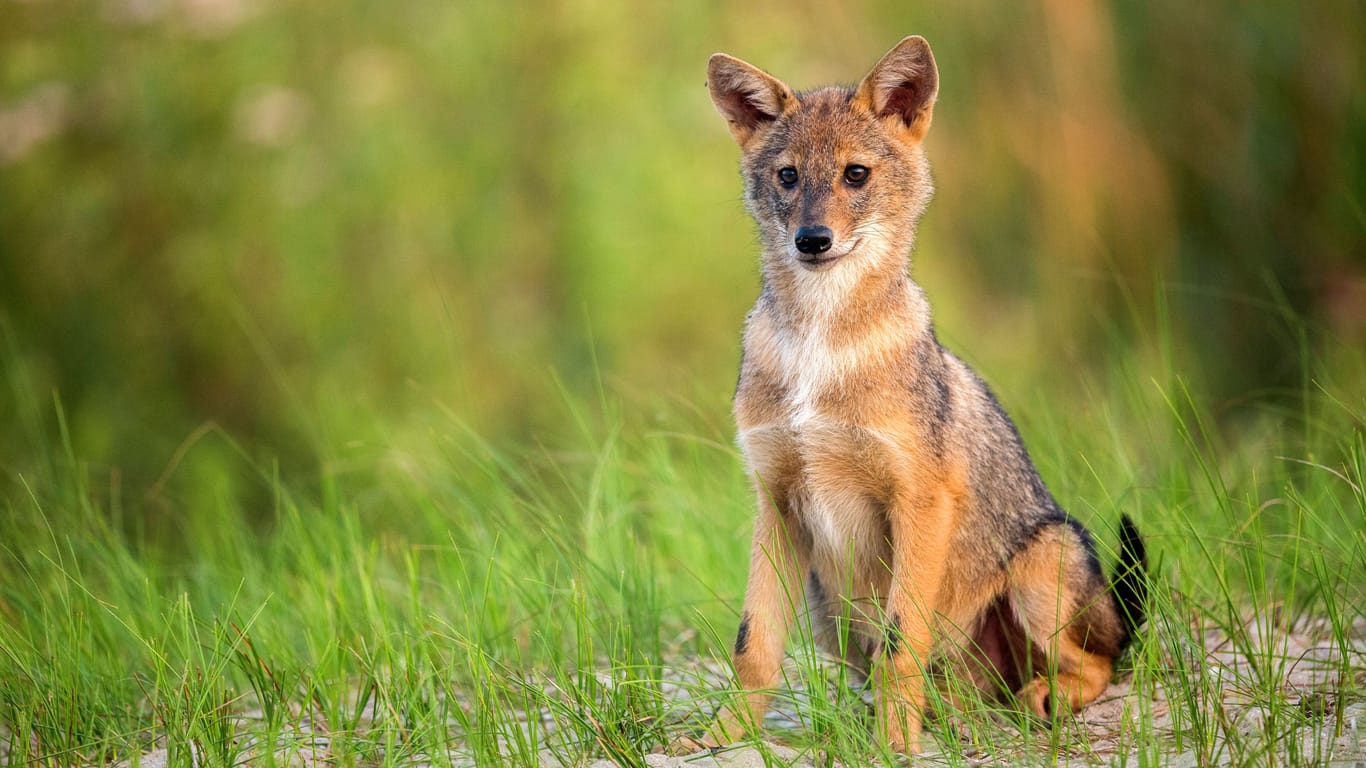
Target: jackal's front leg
(775,586)
(920,527)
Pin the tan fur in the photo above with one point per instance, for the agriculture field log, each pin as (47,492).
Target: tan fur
(888,479)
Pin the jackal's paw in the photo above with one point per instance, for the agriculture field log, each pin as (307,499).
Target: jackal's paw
(902,729)
(688,745)
(1038,698)
(723,731)
(906,745)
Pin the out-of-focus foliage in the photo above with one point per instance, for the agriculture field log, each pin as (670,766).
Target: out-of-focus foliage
(275,216)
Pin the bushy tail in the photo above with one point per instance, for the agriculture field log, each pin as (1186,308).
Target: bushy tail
(1130,579)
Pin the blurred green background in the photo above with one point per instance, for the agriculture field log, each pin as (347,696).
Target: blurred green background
(314,224)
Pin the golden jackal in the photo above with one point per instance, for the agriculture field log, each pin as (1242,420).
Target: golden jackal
(889,479)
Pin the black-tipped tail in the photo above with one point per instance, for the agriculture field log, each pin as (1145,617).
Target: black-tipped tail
(1130,581)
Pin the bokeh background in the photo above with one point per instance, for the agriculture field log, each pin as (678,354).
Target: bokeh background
(313,224)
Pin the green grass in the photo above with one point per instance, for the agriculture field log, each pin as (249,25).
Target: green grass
(423,591)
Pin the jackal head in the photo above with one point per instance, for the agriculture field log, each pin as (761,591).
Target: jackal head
(836,177)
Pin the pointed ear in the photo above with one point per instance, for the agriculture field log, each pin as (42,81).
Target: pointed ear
(749,98)
(902,88)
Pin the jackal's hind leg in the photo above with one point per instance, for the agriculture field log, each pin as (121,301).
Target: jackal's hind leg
(1058,595)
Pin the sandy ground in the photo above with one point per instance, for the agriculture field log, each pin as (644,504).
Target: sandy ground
(1328,729)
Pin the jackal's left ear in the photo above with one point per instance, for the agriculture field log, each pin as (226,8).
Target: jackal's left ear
(902,88)
(749,98)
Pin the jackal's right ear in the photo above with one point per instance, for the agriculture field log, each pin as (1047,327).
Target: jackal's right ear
(749,98)
(902,88)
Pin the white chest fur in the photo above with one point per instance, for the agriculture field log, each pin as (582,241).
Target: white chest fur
(842,522)
(810,369)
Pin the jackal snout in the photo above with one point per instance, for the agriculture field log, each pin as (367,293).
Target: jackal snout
(813,241)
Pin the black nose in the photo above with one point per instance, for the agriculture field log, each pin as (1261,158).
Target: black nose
(814,239)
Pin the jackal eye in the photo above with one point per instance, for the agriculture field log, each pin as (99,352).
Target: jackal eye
(787,175)
(855,175)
